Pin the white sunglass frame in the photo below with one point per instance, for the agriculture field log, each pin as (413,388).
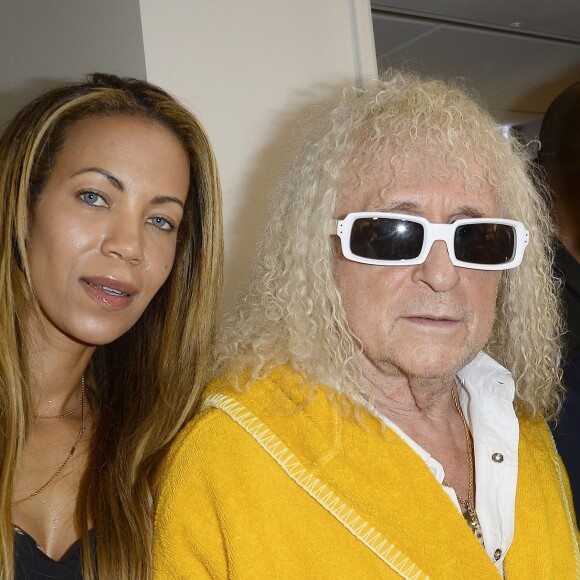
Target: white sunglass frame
(433,232)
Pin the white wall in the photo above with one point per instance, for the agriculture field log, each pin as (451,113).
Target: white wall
(46,42)
(250,69)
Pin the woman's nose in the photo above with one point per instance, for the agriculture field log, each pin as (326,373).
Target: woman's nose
(124,240)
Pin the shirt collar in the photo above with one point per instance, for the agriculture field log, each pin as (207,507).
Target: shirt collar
(486,377)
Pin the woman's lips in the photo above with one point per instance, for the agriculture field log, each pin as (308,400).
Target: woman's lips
(113,294)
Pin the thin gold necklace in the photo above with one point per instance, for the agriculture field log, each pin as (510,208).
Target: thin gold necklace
(82,405)
(72,411)
(468,505)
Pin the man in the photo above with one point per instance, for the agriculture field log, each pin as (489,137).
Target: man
(559,156)
(362,428)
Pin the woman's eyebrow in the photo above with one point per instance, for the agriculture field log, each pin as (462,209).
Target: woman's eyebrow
(117,183)
(166,199)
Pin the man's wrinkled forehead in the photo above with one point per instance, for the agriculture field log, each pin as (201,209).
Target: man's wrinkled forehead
(368,187)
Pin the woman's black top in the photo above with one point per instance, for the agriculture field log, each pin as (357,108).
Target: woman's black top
(33,564)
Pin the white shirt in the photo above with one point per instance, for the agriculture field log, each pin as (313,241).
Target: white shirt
(486,394)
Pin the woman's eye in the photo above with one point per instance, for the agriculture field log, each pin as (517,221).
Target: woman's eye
(161,223)
(92,198)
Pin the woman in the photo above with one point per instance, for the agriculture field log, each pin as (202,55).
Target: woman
(110,272)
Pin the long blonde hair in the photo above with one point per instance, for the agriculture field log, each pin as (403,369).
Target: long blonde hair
(145,385)
(292,312)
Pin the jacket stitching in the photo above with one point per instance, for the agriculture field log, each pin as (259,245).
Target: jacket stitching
(326,497)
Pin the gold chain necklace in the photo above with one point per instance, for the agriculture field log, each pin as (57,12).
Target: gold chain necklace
(82,405)
(468,505)
(72,411)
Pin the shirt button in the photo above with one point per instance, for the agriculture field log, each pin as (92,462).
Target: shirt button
(497,555)
(497,457)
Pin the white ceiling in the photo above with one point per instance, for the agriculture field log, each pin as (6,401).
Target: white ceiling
(517,54)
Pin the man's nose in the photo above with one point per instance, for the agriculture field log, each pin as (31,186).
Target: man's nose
(437,270)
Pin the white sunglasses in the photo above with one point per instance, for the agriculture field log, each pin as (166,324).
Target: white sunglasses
(391,239)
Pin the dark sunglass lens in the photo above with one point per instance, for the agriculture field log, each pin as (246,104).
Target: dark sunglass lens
(490,244)
(386,239)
